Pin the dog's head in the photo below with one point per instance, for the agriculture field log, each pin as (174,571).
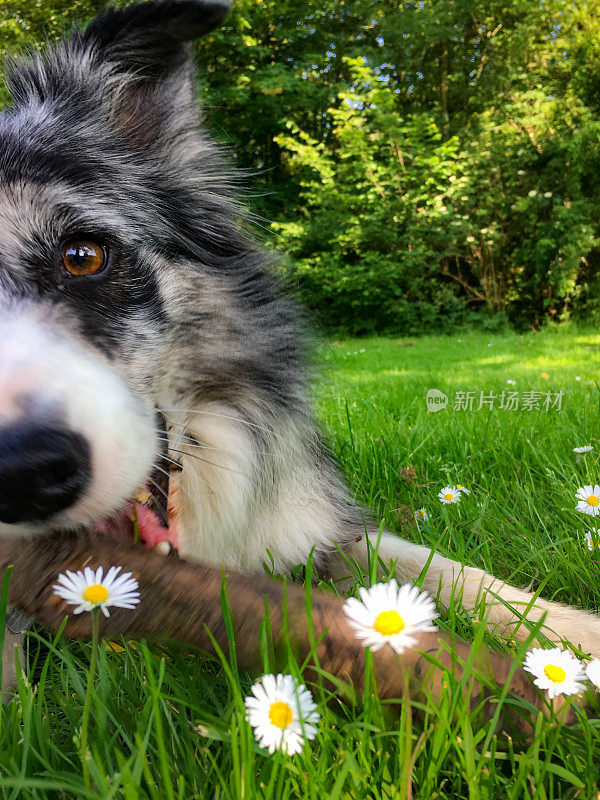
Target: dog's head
(96,211)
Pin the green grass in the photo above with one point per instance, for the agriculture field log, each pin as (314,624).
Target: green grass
(167,723)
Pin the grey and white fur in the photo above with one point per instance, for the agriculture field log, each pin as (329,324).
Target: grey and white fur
(103,144)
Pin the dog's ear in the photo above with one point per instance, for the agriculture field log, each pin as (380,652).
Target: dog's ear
(150,89)
(133,62)
(149,39)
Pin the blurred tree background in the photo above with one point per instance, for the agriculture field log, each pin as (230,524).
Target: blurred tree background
(421,165)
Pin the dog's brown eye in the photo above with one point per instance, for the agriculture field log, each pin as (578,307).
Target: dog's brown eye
(83,257)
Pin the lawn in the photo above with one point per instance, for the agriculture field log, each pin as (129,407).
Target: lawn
(167,723)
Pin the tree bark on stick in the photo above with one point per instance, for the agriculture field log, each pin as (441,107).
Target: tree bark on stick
(181,601)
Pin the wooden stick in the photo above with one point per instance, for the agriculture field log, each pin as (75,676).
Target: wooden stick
(182,601)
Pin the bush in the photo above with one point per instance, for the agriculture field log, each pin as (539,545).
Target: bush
(400,228)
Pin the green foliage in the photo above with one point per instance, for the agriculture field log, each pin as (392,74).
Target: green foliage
(496,210)
(361,246)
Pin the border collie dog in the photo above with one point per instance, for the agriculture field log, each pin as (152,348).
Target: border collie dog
(150,366)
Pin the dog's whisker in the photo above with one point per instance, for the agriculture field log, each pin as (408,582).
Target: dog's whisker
(193,442)
(170,461)
(160,469)
(206,461)
(166,411)
(178,465)
(159,489)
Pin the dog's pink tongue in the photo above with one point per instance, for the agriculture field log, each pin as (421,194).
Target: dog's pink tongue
(152,532)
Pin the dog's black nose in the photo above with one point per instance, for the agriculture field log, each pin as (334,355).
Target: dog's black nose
(42,470)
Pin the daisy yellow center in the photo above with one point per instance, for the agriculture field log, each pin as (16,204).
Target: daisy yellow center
(554,674)
(388,623)
(448,496)
(96,593)
(593,500)
(280,714)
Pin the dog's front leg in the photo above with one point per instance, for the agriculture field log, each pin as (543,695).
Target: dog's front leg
(504,605)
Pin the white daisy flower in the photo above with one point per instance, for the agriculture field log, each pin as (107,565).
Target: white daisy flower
(589,500)
(388,614)
(555,671)
(282,713)
(449,494)
(577,377)
(462,489)
(88,589)
(511,382)
(585,449)
(421,513)
(592,539)
(593,672)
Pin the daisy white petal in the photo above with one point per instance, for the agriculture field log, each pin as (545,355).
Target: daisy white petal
(66,580)
(589,500)
(463,489)
(585,449)
(112,574)
(89,574)
(449,494)
(592,539)
(555,671)
(421,513)
(122,579)
(593,672)
(88,590)
(389,614)
(281,711)
(69,581)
